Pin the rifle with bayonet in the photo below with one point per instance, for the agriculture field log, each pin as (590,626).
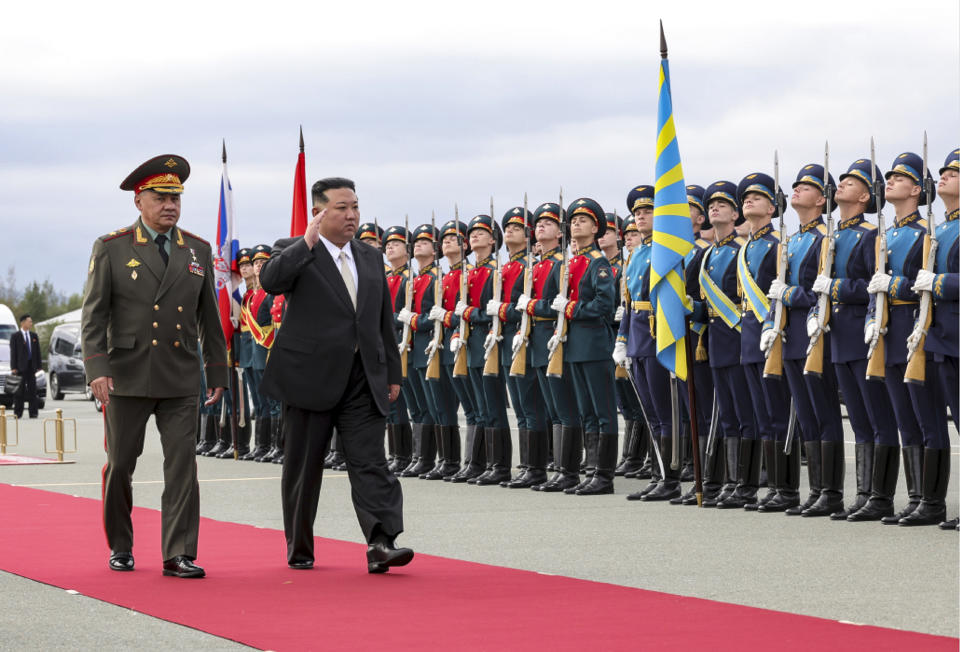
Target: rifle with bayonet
(460,359)
(916,355)
(491,356)
(876,355)
(773,367)
(821,315)
(518,365)
(555,362)
(620,372)
(407,300)
(433,357)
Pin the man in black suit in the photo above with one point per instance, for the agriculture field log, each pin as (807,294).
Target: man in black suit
(25,360)
(335,365)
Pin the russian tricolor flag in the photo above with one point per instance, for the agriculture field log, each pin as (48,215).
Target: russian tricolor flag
(227,274)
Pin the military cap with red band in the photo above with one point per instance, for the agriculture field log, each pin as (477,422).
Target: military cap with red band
(165,173)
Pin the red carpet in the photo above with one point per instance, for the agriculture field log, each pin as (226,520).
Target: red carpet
(23,459)
(252,597)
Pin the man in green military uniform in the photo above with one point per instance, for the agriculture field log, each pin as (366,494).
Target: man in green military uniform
(149,297)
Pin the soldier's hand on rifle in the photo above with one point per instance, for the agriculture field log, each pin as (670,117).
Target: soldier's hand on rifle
(913,340)
(869,331)
(522,302)
(767,338)
(620,354)
(431,349)
(437,313)
(516,343)
(618,316)
(777,290)
(559,303)
(553,343)
(879,283)
(406,316)
(488,343)
(455,344)
(493,307)
(924,282)
(402,348)
(813,325)
(821,284)
(461,307)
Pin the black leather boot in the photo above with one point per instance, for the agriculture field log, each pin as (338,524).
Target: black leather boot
(936,475)
(669,486)
(208,437)
(426,448)
(656,477)
(625,455)
(913,473)
(602,480)
(536,472)
(952,524)
(769,451)
(642,463)
(864,469)
(551,448)
(886,469)
(391,448)
(404,447)
(489,435)
(243,443)
(713,470)
(748,476)
(416,443)
(223,438)
(832,464)
(281,438)
(273,448)
(686,454)
(555,438)
(814,477)
(434,472)
(261,439)
(786,470)
(731,466)
(475,463)
(570,449)
(590,443)
(501,455)
(523,440)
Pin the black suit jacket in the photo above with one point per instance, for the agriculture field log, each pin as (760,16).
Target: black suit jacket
(18,353)
(313,353)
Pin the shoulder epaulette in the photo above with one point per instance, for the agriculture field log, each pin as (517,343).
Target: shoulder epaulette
(922,223)
(116,234)
(775,233)
(868,226)
(595,253)
(406,273)
(703,244)
(822,228)
(195,237)
(740,240)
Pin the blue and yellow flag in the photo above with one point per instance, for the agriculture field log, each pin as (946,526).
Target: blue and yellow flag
(672,238)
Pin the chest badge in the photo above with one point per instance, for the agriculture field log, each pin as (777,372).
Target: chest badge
(133,275)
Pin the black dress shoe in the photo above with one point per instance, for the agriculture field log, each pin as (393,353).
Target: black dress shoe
(952,524)
(303,564)
(121,561)
(381,555)
(181,566)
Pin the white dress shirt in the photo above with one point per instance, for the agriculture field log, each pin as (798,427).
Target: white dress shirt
(335,254)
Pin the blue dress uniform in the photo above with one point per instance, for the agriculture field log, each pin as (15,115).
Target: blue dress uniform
(652,379)
(756,269)
(591,300)
(919,409)
(490,392)
(868,407)
(635,436)
(399,430)
(558,395)
(815,397)
(426,442)
(720,308)
(525,396)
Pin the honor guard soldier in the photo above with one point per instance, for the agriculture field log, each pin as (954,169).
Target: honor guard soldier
(250,314)
(942,339)
(489,390)
(703,379)
(427,443)
(249,388)
(522,383)
(636,341)
(372,234)
(634,462)
(556,386)
(868,408)
(814,394)
(264,332)
(455,248)
(720,308)
(399,431)
(588,308)
(919,409)
(149,296)
(275,454)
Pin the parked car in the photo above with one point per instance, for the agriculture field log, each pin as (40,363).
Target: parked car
(7,399)
(65,364)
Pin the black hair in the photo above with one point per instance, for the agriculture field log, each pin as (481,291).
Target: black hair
(24,317)
(330,183)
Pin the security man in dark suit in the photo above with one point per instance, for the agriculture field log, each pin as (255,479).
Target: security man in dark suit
(335,364)
(149,296)
(26,361)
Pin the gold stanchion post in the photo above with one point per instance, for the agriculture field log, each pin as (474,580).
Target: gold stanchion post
(3,430)
(58,425)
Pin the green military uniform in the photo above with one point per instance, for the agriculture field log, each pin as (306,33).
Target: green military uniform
(141,321)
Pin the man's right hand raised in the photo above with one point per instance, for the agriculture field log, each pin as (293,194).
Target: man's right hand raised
(312,235)
(101,388)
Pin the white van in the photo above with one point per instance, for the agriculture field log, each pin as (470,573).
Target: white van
(8,323)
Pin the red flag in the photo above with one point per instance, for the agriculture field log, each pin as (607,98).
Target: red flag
(298,219)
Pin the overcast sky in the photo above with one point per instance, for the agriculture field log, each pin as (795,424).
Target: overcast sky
(426,104)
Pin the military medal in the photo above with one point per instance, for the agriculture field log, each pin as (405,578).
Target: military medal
(195,267)
(133,275)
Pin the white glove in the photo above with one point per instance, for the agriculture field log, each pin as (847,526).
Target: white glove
(516,343)
(437,313)
(455,344)
(777,288)
(767,338)
(523,302)
(553,343)
(431,349)
(560,303)
(461,306)
(879,283)
(618,316)
(405,316)
(913,340)
(813,325)
(924,282)
(821,285)
(493,307)
(401,348)
(488,343)
(868,332)
(620,354)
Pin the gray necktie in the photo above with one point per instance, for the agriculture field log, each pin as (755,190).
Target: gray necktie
(348,278)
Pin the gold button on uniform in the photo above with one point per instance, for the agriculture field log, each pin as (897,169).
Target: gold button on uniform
(154,324)
(176,343)
(156,307)
(179,308)
(154,342)
(178,326)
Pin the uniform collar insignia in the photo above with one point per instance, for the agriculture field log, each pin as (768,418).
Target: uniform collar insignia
(809,226)
(585,250)
(646,239)
(762,231)
(726,240)
(517,256)
(912,217)
(853,221)
(399,270)
(426,269)
(952,215)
